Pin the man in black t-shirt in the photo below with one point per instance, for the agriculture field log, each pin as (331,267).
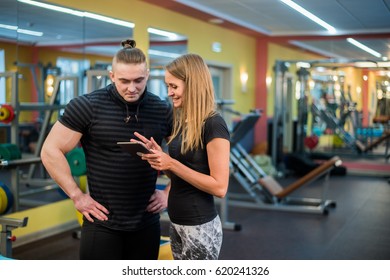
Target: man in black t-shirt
(121,209)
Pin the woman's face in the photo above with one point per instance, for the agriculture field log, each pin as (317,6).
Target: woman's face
(175,88)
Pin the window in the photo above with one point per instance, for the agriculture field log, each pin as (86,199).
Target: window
(72,68)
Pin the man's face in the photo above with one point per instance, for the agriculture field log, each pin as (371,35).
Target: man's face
(130,80)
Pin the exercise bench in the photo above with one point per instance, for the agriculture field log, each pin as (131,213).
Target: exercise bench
(375,143)
(280,195)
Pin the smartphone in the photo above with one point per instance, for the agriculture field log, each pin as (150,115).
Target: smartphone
(134,147)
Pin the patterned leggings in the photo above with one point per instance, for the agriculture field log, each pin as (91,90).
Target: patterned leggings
(200,242)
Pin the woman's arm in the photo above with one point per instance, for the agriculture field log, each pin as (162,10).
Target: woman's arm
(218,152)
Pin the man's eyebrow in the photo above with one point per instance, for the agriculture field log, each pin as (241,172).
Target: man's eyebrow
(138,78)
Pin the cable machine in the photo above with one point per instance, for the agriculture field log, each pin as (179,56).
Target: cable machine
(325,111)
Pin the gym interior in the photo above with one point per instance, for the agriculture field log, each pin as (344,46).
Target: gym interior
(309,116)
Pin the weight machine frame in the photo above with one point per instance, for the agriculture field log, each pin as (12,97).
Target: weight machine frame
(7,225)
(260,196)
(17,178)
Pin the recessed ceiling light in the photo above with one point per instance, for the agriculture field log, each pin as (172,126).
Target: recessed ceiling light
(309,15)
(216,20)
(363,47)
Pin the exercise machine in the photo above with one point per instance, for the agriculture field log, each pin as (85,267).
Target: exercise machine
(263,191)
(7,225)
(35,182)
(335,124)
(384,138)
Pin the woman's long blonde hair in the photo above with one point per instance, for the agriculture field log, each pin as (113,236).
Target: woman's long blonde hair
(198,102)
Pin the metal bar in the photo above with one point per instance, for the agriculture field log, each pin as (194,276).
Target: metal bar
(48,114)
(40,107)
(19,162)
(7,225)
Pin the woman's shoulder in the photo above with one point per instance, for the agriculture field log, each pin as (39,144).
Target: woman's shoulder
(215,118)
(215,126)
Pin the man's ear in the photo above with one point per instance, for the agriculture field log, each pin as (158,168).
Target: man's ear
(112,76)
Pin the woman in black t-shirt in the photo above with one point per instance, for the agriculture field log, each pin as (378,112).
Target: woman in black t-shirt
(198,160)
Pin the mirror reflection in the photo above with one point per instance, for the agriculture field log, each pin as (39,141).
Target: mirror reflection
(47,57)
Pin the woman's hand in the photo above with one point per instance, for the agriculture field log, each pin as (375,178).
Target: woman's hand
(158,160)
(151,144)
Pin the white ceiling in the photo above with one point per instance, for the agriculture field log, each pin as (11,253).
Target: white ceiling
(367,21)
(273,17)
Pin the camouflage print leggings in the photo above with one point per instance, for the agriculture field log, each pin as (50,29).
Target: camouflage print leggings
(200,242)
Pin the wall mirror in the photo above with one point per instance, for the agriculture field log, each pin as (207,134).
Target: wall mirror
(56,54)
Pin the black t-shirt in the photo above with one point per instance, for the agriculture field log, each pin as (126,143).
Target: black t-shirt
(188,205)
(121,182)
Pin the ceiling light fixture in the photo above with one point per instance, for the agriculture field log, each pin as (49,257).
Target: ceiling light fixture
(155,31)
(363,47)
(309,15)
(30,32)
(78,13)
(216,20)
(52,7)
(96,16)
(23,31)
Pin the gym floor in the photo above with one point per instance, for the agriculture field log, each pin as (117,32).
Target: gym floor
(357,229)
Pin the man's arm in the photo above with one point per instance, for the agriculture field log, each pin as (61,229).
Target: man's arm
(60,141)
